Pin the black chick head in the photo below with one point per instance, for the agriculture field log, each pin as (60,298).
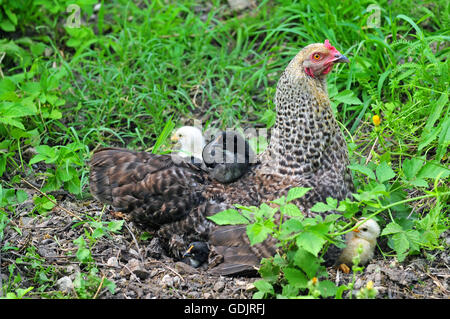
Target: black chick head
(197,253)
(229,156)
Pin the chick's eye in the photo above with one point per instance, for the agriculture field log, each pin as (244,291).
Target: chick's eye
(316,56)
(364,229)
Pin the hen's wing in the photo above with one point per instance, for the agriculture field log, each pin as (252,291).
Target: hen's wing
(154,189)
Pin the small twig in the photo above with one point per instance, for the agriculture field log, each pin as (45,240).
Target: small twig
(167,267)
(135,242)
(54,202)
(99,287)
(370,152)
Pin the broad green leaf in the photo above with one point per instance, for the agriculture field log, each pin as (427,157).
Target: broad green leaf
(266,211)
(320,208)
(291,210)
(411,167)
(98,232)
(295,277)
(264,286)
(414,239)
(384,172)
(401,243)
(347,97)
(392,228)
(325,207)
(433,170)
(115,225)
(258,232)
(297,192)
(307,262)
(311,242)
(83,254)
(419,182)
(362,169)
(291,226)
(327,288)
(12,122)
(228,217)
(269,271)
(279,201)
(21,196)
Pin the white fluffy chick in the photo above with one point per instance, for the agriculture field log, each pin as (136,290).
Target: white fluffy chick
(364,235)
(191,142)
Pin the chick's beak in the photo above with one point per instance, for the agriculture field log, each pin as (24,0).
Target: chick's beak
(174,138)
(340,58)
(187,253)
(356,230)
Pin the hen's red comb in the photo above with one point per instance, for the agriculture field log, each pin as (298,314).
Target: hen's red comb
(328,45)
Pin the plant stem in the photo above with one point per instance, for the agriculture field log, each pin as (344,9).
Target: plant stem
(389,206)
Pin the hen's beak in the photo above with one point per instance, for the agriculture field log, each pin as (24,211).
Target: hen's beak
(174,138)
(340,58)
(356,230)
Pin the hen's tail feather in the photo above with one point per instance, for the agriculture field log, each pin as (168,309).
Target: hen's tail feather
(239,257)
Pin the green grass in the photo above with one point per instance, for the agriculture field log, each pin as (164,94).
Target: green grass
(122,75)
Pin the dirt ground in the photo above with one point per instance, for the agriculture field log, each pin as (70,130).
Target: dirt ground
(140,270)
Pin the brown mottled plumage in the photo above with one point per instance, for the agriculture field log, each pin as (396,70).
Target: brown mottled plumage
(307,149)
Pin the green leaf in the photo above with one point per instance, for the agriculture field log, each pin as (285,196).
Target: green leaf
(228,217)
(392,228)
(327,288)
(297,192)
(21,196)
(65,174)
(348,97)
(279,201)
(258,232)
(115,226)
(401,245)
(322,207)
(291,210)
(414,239)
(12,122)
(83,254)
(307,262)
(411,167)
(264,286)
(44,204)
(266,211)
(311,242)
(433,170)
(7,26)
(419,182)
(269,271)
(384,172)
(98,232)
(363,169)
(291,226)
(295,277)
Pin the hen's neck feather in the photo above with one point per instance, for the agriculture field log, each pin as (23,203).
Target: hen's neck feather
(305,124)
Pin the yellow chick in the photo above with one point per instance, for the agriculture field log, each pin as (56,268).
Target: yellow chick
(365,235)
(191,141)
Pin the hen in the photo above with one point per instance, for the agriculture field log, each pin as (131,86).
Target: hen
(173,197)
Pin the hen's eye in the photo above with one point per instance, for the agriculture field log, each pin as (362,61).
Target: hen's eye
(316,56)
(364,229)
